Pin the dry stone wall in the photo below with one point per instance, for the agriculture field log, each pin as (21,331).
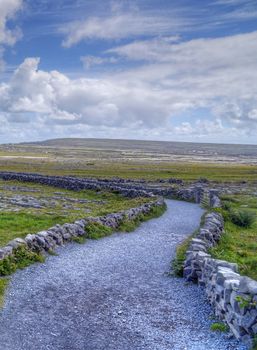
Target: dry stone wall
(234,297)
(57,235)
(127,188)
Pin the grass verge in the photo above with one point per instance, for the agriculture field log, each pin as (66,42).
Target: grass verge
(3,285)
(177,264)
(219,327)
(96,230)
(21,258)
(130,225)
(238,243)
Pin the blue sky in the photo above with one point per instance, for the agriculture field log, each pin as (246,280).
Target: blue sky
(146,69)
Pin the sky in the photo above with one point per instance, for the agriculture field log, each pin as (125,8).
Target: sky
(174,70)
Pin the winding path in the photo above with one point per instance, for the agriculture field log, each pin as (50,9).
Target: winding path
(112,294)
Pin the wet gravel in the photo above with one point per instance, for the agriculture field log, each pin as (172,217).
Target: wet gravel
(113,294)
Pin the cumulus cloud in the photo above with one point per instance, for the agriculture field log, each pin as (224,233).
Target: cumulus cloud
(219,73)
(8,9)
(8,37)
(172,79)
(86,101)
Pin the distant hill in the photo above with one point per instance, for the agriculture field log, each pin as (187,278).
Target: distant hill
(160,147)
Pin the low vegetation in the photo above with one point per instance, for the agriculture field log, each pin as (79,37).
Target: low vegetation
(187,171)
(19,221)
(21,258)
(239,242)
(178,263)
(96,230)
(243,218)
(130,225)
(134,160)
(3,286)
(219,327)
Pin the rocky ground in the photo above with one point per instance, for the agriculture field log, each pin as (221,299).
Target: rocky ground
(17,198)
(113,294)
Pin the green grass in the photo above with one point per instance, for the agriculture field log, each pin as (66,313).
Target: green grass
(219,327)
(128,168)
(79,240)
(178,262)
(130,225)
(3,285)
(29,220)
(239,244)
(243,218)
(96,230)
(13,225)
(21,258)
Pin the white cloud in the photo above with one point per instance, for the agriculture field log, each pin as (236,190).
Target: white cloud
(89,61)
(218,76)
(119,25)
(8,9)
(85,101)
(8,37)
(195,54)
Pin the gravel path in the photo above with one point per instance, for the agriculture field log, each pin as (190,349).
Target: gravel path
(113,294)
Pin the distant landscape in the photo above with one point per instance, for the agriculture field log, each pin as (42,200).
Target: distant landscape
(132,158)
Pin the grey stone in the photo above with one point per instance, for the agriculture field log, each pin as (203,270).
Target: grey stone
(248,285)
(254,328)
(248,319)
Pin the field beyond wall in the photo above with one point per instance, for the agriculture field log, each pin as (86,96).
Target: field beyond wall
(133,159)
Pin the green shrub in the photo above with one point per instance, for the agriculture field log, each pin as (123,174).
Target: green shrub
(128,225)
(219,327)
(3,285)
(21,258)
(95,230)
(226,205)
(243,218)
(79,239)
(178,263)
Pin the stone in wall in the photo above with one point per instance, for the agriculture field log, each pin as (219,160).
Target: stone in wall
(233,297)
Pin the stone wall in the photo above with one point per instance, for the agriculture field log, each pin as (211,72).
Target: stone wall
(57,235)
(234,297)
(128,188)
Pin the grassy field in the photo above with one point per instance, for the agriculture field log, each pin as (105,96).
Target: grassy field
(141,170)
(133,159)
(15,223)
(239,244)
